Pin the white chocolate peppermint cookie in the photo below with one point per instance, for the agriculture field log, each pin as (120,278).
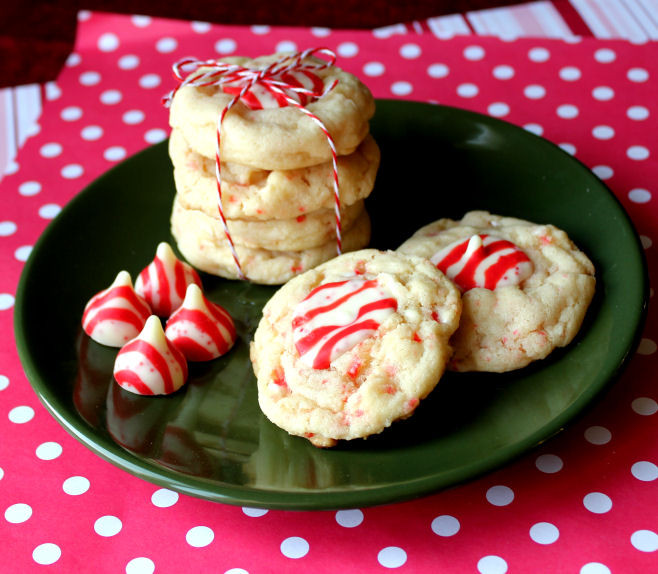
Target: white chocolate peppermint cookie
(347,348)
(253,194)
(200,329)
(275,137)
(526,287)
(117,314)
(150,364)
(164,281)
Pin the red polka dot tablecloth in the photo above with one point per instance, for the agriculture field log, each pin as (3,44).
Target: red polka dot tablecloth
(585,501)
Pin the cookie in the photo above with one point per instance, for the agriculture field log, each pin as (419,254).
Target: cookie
(528,302)
(201,240)
(249,193)
(345,349)
(276,138)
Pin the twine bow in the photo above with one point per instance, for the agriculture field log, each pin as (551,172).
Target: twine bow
(288,81)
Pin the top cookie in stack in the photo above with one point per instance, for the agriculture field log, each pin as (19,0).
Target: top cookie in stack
(277,174)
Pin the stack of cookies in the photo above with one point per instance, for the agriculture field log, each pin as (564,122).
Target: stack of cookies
(277,176)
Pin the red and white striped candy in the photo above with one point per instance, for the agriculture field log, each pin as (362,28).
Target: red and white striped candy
(200,329)
(164,281)
(150,364)
(337,316)
(483,261)
(117,314)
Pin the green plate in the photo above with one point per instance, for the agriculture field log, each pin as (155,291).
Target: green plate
(210,439)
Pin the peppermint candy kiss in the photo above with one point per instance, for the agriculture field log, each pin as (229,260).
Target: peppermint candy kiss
(116,314)
(200,329)
(483,261)
(164,281)
(337,316)
(150,364)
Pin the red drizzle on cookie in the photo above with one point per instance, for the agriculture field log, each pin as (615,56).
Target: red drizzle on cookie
(483,261)
(334,317)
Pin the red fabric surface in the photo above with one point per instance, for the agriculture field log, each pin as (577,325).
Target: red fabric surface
(594,485)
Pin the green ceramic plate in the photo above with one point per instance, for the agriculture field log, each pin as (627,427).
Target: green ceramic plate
(211,440)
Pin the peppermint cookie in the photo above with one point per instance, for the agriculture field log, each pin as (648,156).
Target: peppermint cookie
(201,240)
(347,348)
(525,287)
(249,193)
(276,137)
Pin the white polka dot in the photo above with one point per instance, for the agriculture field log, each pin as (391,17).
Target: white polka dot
(164,498)
(500,495)
(534,92)
(11,167)
(23,252)
(637,75)
(645,406)
(71,113)
(374,69)
(598,435)
(73,60)
(4,382)
(72,171)
(29,188)
(498,109)
(492,565)
(155,136)
(52,149)
(294,547)
(320,32)
(347,49)
(114,153)
(49,211)
(549,463)
(597,502)
(474,53)
(467,90)
(133,117)
(18,513)
(349,518)
(503,72)
(7,228)
(2,474)
(539,54)
(91,133)
(21,415)
(646,346)
(261,30)
(108,42)
(646,241)
(111,97)
(254,512)
(6,301)
(544,533)
(445,525)
(89,78)
(570,74)
(410,51)
(53,91)
(140,20)
(236,571)
(534,128)
(392,557)
(438,71)
(567,111)
(46,553)
(166,45)
(128,62)
(605,55)
(645,471)
(225,46)
(637,152)
(645,540)
(637,113)
(603,171)
(150,81)
(286,46)
(48,451)
(141,565)
(640,196)
(83,15)
(108,526)
(568,147)
(401,88)
(603,132)
(76,485)
(603,93)
(594,568)
(199,536)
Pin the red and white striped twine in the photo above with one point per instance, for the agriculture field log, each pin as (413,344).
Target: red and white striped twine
(282,81)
